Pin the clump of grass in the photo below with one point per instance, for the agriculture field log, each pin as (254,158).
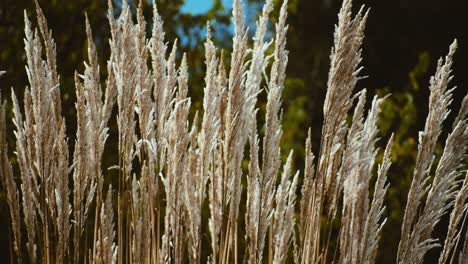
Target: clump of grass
(178,175)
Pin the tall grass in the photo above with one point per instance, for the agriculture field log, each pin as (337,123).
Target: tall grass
(183,194)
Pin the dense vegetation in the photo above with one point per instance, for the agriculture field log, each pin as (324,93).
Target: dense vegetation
(244,206)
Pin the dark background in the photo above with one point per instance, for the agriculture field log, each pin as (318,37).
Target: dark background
(404,39)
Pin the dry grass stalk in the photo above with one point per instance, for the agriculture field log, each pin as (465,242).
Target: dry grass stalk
(42,151)
(124,45)
(374,224)
(264,180)
(106,249)
(327,185)
(416,231)
(202,152)
(8,182)
(358,221)
(252,216)
(463,257)
(343,76)
(217,181)
(233,140)
(283,222)
(454,235)
(459,208)
(178,141)
(93,113)
(307,195)
(92,116)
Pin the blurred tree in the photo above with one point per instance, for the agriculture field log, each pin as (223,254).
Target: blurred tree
(391,48)
(399,35)
(66,19)
(397,32)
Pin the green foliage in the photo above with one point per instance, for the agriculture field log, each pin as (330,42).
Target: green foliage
(66,19)
(309,40)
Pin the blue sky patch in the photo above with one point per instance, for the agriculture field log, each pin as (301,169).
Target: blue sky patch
(197,7)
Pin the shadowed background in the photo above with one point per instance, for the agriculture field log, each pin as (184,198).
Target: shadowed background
(404,39)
